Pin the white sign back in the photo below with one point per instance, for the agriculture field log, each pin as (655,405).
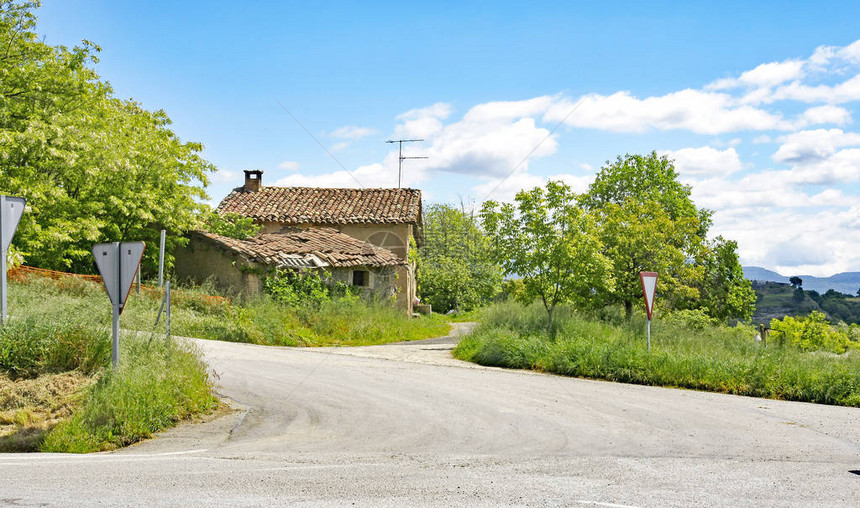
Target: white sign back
(118,263)
(13,209)
(649,288)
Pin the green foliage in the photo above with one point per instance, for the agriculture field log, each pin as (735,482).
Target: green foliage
(454,269)
(798,295)
(231,224)
(93,168)
(712,358)
(552,244)
(648,222)
(809,333)
(724,292)
(157,384)
(306,288)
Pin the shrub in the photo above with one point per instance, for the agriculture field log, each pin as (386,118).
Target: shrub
(809,333)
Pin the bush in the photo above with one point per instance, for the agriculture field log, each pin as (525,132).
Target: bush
(305,288)
(809,333)
(684,354)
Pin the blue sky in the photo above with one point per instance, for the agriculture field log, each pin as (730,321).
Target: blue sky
(756,103)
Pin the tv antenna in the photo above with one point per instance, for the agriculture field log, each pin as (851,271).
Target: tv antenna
(400,156)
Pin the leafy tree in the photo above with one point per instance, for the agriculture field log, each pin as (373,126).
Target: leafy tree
(231,224)
(455,270)
(724,291)
(92,167)
(796,282)
(648,222)
(552,244)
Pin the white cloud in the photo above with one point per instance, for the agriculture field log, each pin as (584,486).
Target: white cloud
(223,175)
(353,132)
(339,146)
(765,75)
(826,114)
(846,91)
(372,175)
(812,146)
(289,165)
(693,110)
(490,140)
(505,190)
(705,161)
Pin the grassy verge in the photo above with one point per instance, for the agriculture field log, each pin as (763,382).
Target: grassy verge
(57,394)
(259,321)
(713,358)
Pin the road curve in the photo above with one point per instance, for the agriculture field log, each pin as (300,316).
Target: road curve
(406,424)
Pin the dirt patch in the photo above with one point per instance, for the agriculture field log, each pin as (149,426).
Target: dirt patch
(30,408)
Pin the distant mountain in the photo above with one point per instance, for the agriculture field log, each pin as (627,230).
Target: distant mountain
(846,282)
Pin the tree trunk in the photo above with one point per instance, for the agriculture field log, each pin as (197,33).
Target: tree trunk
(628,309)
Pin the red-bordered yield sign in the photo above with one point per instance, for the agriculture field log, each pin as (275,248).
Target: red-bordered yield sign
(649,287)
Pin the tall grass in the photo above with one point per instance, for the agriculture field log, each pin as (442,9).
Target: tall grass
(261,320)
(63,327)
(714,358)
(157,384)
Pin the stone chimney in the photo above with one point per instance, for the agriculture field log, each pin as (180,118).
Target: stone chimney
(253,180)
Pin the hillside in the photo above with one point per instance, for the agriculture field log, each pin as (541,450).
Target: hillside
(846,282)
(777,300)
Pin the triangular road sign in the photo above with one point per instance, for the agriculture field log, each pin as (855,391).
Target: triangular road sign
(649,288)
(118,263)
(13,208)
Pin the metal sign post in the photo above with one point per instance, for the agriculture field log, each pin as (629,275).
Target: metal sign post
(118,262)
(11,209)
(161,259)
(649,288)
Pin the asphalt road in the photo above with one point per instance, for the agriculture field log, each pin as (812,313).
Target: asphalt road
(406,424)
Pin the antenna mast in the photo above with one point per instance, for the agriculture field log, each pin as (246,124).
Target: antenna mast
(400,156)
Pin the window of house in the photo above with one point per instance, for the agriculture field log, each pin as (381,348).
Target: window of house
(360,278)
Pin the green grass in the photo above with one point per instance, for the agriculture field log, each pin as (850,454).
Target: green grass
(258,321)
(716,358)
(157,384)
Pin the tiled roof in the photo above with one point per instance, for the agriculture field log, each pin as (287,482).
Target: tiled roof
(308,205)
(313,247)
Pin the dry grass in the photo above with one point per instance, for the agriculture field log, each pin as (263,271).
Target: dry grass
(30,408)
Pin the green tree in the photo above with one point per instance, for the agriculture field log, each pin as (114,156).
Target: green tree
(796,282)
(455,270)
(231,224)
(92,167)
(552,244)
(648,222)
(725,292)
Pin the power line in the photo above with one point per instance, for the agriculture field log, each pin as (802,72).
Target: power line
(400,156)
(320,144)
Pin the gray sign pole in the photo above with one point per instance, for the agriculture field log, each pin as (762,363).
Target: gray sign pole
(2,262)
(116,307)
(167,295)
(161,260)
(648,327)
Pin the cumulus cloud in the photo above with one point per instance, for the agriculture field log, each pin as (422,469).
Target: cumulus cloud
(765,75)
(505,190)
(705,161)
(701,112)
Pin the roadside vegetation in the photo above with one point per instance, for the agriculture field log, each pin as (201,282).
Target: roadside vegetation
(688,350)
(58,394)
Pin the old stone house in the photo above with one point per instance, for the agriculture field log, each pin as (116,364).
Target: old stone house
(363,237)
